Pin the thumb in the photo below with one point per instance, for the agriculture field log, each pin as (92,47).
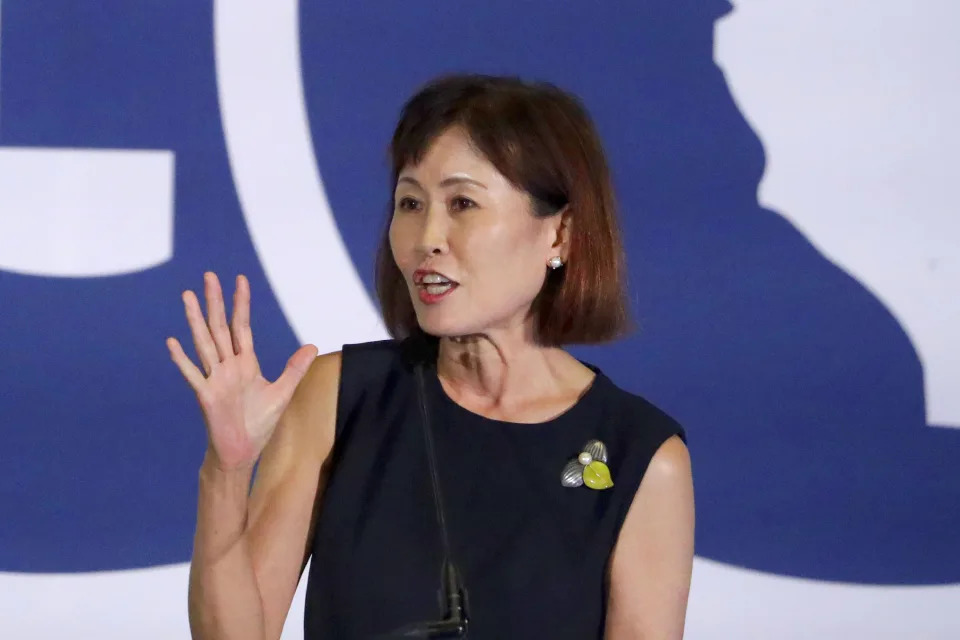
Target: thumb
(297,367)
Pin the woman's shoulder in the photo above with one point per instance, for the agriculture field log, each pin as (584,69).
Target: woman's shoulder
(374,345)
(379,362)
(370,354)
(637,413)
(388,346)
(392,352)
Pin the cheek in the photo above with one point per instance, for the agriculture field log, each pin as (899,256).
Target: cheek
(498,238)
(399,244)
(515,248)
(507,261)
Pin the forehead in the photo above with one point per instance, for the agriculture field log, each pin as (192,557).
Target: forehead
(451,152)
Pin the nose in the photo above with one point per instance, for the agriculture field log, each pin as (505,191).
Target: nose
(433,233)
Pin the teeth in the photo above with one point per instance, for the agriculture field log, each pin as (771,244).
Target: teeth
(437,289)
(434,278)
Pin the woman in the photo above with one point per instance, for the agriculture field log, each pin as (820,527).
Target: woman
(502,246)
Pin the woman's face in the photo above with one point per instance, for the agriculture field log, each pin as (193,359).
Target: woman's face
(454,214)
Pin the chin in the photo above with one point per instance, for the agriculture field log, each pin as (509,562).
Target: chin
(445,328)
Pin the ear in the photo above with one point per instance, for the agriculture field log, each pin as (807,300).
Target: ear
(561,228)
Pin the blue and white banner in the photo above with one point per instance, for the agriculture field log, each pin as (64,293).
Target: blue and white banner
(786,177)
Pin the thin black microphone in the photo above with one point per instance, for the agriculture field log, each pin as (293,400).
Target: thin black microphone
(452,593)
(453,601)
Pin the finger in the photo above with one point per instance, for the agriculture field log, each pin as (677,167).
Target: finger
(240,323)
(191,373)
(296,368)
(217,316)
(202,341)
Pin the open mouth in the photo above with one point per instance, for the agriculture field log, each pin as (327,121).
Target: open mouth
(435,292)
(433,283)
(438,289)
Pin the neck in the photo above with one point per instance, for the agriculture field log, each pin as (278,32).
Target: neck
(503,371)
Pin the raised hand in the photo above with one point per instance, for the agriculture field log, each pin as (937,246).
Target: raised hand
(240,407)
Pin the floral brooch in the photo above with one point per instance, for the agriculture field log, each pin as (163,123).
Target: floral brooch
(588,468)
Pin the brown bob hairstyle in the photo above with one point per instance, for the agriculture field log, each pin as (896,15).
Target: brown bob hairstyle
(542,140)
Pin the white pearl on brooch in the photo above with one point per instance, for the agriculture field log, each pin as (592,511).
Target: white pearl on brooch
(585,458)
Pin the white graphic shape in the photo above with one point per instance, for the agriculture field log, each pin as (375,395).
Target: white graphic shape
(732,602)
(856,103)
(725,602)
(277,178)
(84,213)
(146,604)
(278,182)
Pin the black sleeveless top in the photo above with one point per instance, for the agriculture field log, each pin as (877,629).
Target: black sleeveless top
(533,553)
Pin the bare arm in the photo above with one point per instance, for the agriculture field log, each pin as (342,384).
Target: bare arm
(250,547)
(222,582)
(285,500)
(249,553)
(652,561)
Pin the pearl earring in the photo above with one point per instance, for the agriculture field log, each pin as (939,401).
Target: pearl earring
(555,262)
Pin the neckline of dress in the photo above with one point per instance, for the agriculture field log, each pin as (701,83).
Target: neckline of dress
(573,411)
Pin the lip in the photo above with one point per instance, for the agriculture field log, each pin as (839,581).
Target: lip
(429,298)
(424,295)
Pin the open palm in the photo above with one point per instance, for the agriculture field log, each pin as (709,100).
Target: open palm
(240,407)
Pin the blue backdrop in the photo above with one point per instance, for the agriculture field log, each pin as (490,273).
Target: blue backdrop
(802,395)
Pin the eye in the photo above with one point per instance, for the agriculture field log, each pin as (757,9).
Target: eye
(459,203)
(407,204)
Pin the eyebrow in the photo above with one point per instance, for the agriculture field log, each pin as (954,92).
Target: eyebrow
(446,182)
